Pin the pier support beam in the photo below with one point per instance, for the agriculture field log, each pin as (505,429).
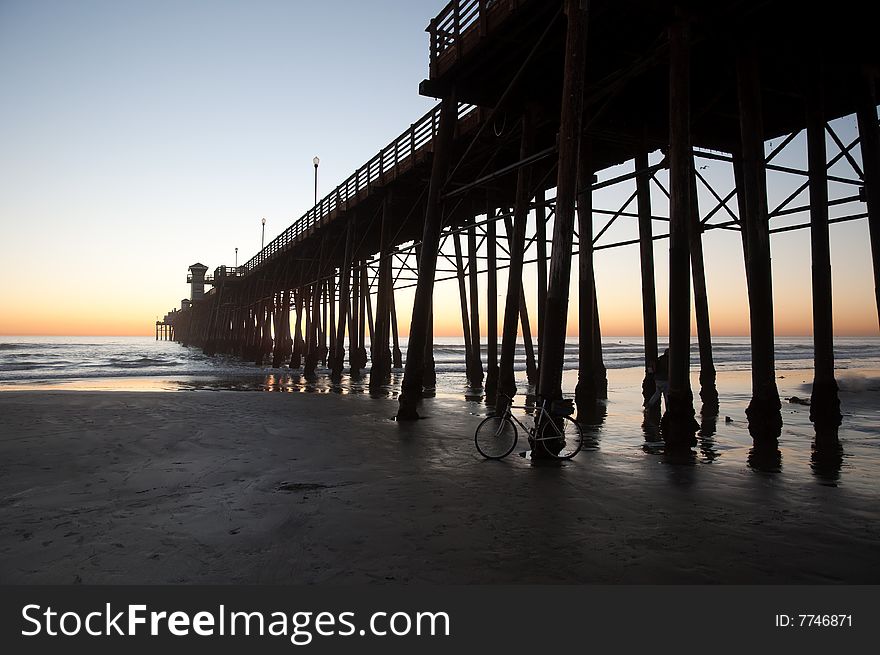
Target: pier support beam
(586,392)
(678,425)
(646,258)
(338,358)
(708,391)
(465,320)
(298,343)
(282,350)
(380,371)
(869,134)
(525,324)
(354,328)
(411,388)
(824,401)
(313,331)
(325,286)
(541,256)
(366,313)
(473,271)
(764,410)
(516,232)
(332,321)
(556,309)
(397,356)
(528,345)
(491,307)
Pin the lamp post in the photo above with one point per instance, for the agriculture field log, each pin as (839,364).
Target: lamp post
(236,260)
(316,161)
(263,237)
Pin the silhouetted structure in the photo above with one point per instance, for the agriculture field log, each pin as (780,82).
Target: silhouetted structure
(537,97)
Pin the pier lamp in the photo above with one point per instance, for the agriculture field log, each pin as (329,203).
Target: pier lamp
(263,237)
(316,161)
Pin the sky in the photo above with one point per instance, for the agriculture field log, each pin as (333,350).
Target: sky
(141,137)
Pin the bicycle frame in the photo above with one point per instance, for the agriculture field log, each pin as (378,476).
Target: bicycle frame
(562,441)
(539,420)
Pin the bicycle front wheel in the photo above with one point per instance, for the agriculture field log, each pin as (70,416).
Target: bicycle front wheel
(562,437)
(495,437)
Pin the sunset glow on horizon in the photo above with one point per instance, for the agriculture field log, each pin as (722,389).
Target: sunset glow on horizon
(137,142)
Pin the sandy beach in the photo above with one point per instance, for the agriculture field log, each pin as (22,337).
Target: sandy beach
(246,487)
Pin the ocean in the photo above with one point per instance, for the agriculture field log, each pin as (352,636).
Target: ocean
(142,363)
(622,431)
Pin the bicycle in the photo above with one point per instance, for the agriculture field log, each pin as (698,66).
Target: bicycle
(558,434)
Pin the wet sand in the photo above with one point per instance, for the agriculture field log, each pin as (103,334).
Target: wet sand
(246,487)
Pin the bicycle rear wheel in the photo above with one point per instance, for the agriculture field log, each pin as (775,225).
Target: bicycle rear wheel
(495,437)
(562,437)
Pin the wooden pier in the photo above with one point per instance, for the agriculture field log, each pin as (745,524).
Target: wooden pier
(537,99)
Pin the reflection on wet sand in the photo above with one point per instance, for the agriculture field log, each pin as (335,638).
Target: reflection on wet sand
(708,428)
(826,458)
(618,426)
(591,418)
(765,458)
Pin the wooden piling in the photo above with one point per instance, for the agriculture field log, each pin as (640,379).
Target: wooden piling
(600,373)
(298,342)
(473,271)
(354,327)
(313,333)
(708,391)
(678,425)
(380,371)
(541,256)
(465,320)
(323,350)
(411,388)
(338,358)
(516,233)
(528,344)
(646,259)
(368,303)
(764,410)
(281,353)
(397,357)
(525,324)
(332,311)
(586,393)
(363,319)
(824,400)
(556,308)
(491,307)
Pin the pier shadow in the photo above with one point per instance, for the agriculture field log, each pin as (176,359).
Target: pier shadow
(475,394)
(683,458)
(591,417)
(826,457)
(765,457)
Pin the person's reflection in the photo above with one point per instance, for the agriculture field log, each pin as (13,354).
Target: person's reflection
(708,428)
(651,425)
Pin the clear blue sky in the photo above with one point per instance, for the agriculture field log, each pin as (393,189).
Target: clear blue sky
(139,137)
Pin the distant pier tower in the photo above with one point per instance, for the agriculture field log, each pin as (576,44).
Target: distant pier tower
(196,278)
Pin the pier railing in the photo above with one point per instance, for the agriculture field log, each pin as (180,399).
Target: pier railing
(397,156)
(447,27)
(461,20)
